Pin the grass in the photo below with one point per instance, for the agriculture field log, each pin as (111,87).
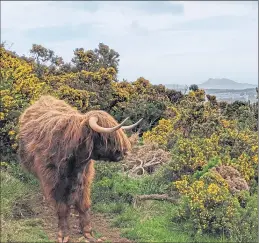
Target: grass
(151,222)
(16,223)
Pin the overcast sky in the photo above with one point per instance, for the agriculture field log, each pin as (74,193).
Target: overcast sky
(165,42)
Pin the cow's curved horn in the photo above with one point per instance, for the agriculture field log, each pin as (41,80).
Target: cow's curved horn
(93,124)
(131,126)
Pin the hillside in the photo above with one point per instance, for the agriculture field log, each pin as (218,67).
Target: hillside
(225,83)
(192,173)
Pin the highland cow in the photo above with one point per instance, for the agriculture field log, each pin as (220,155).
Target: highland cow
(58,144)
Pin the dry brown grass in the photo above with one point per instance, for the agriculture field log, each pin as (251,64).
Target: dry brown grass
(145,159)
(233,177)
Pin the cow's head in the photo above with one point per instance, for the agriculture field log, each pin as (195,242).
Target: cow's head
(110,143)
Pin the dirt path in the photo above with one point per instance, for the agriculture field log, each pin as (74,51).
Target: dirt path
(100,223)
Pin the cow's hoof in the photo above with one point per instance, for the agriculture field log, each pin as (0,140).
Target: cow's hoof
(63,239)
(91,239)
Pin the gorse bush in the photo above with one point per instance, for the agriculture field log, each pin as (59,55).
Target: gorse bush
(214,159)
(19,87)
(208,203)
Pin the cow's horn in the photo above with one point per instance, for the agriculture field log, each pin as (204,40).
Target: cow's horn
(93,124)
(131,126)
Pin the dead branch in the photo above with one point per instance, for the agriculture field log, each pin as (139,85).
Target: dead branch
(151,158)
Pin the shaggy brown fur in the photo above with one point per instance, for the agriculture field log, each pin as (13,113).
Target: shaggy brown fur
(52,129)
(52,124)
(88,178)
(57,145)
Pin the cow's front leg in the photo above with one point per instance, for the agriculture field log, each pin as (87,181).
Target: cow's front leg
(63,211)
(85,221)
(83,203)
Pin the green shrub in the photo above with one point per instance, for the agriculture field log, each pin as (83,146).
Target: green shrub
(210,208)
(245,228)
(212,163)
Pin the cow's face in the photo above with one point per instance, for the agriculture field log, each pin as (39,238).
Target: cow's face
(106,151)
(110,143)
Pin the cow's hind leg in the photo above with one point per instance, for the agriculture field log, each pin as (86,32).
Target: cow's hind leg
(63,211)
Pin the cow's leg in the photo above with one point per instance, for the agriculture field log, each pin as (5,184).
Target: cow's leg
(45,192)
(85,223)
(63,211)
(84,220)
(39,170)
(83,203)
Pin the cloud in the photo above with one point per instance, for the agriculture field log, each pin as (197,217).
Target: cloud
(34,15)
(152,7)
(167,42)
(214,23)
(64,33)
(198,10)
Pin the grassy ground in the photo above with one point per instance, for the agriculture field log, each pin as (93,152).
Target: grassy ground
(150,221)
(25,218)
(17,223)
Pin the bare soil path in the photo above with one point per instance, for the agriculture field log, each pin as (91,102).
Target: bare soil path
(100,223)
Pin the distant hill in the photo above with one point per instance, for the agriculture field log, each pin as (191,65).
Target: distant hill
(224,89)
(225,83)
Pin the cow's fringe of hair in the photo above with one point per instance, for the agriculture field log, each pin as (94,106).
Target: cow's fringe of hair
(52,128)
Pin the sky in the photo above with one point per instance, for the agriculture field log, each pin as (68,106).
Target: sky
(170,42)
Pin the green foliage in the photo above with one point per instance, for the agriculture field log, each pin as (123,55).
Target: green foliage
(113,186)
(174,96)
(208,203)
(150,223)
(9,185)
(245,113)
(211,164)
(161,133)
(41,56)
(19,88)
(194,87)
(113,192)
(93,60)
(151,111)
(16,171)
(246,228)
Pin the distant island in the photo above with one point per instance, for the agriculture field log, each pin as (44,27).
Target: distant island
(225,83)
(224,89)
